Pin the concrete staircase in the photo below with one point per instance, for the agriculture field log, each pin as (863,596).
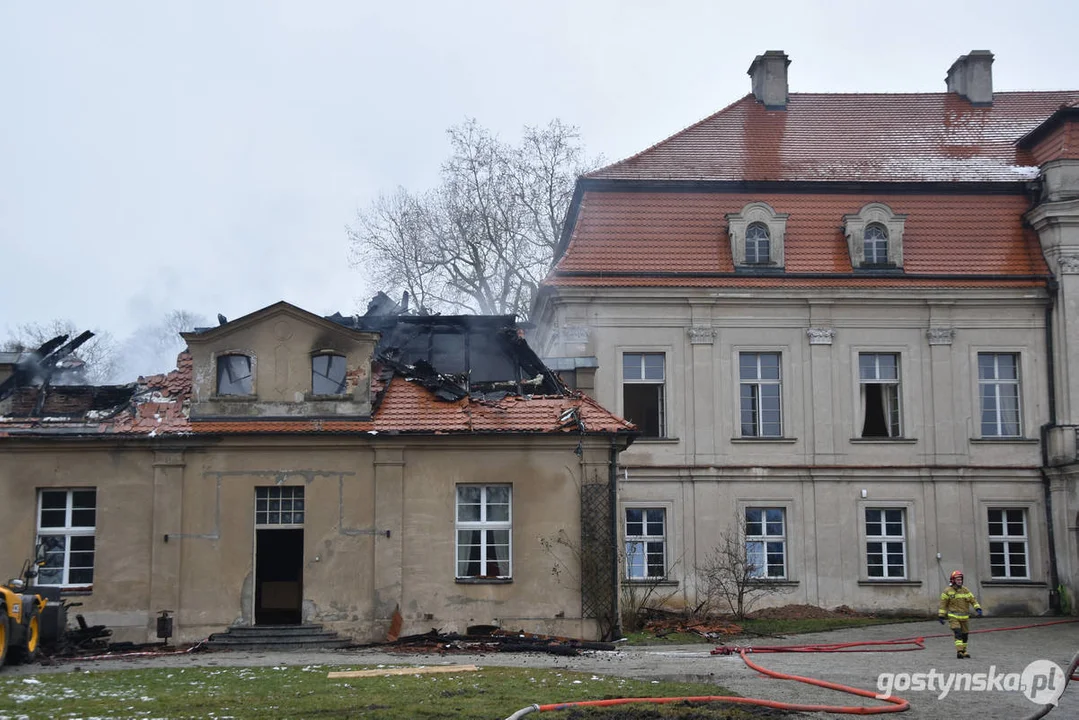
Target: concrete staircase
(277,637)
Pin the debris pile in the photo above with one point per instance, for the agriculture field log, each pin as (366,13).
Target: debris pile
(494,640)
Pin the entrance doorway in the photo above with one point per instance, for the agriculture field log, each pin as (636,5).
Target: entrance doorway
(279,577)
(279,515)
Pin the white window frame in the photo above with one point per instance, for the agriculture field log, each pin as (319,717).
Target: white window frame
(292,496)
(482,525)
(644,539)
(758,382)
(896,390)
(661,384)
(1007,539)
(68,531)
(755,258)
(997,382)
(875,244)
(765,537)
(904,539)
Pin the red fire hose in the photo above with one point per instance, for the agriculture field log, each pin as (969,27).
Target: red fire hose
(895,704)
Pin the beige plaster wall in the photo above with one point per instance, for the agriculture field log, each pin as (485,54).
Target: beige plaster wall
(175,529)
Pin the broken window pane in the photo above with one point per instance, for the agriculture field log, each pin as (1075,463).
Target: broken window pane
(643,392)
(328,374)
(66,520)
(234,375)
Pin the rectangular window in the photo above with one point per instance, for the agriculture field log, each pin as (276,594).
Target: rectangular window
(761,413)
(886,543)
(643,378)
(646,543)
(766,542)
(66,521)
(878,375)
(483,531)
(279,505)
(998,387)
(1008,543)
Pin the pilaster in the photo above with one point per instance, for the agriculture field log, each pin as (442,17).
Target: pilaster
(165,557)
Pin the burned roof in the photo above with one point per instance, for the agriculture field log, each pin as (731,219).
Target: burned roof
(431,374)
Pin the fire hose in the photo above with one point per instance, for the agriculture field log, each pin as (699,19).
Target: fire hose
(895,703)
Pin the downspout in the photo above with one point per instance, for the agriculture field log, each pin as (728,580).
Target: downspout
(1054,574)
(612,481)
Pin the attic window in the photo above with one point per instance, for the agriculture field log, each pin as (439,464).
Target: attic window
(875,237)
(328,374)
(756,235)
(876,245)
(757,242)
(234,375)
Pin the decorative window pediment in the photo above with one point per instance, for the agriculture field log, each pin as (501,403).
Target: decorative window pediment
(875,237)
(756,235)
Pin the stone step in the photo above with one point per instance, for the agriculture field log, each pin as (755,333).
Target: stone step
(280,645)
(229,639)
(260,630)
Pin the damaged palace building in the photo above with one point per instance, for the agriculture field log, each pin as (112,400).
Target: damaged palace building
(301,469)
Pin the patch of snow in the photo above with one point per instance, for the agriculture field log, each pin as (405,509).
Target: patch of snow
(31,681)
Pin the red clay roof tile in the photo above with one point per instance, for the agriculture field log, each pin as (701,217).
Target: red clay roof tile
(685,232)
(936,137)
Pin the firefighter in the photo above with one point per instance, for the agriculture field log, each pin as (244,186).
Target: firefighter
(955,605)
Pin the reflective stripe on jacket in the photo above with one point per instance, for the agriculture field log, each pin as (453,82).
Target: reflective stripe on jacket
(957,602)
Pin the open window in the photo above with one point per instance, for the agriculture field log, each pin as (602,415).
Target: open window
(879,381)
(234,376)
(643,385)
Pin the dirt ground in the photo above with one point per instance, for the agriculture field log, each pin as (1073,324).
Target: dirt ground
(995,652)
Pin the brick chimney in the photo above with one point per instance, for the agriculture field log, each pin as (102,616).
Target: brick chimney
(971,76)
(769,75)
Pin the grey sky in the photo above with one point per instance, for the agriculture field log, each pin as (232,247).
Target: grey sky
(207,155)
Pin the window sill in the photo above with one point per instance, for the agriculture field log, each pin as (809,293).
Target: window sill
(884,440)
(482,581)
(326,398)
(66,591)
(779,582)
(890,583)
(1003,441)
(233,398)
(751,440)
(1014,583)
(657,440)
(646,582)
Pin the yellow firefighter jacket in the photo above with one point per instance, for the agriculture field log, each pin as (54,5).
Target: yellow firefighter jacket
(957,602)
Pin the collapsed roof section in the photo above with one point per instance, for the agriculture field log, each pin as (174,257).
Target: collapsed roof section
(431,374)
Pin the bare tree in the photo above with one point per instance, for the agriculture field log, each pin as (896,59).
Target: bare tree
(482,240)
(99,353)
(733,578)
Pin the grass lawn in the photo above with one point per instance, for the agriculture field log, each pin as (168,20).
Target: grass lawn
(305,692)
(767,626)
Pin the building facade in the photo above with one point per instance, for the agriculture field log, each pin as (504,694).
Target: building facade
(842,324)
(300,469)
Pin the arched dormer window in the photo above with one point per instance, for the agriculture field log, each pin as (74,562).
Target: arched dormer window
(327,374)
(234,376)
(875,237)
(758,242)
(876,244)
(756,235)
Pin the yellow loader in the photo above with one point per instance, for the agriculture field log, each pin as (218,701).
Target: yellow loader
(20,617)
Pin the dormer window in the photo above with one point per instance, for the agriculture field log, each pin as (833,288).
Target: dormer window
(234,375)
(757,245)
(876,245)
(756,235)
(328,374)
(875,237)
